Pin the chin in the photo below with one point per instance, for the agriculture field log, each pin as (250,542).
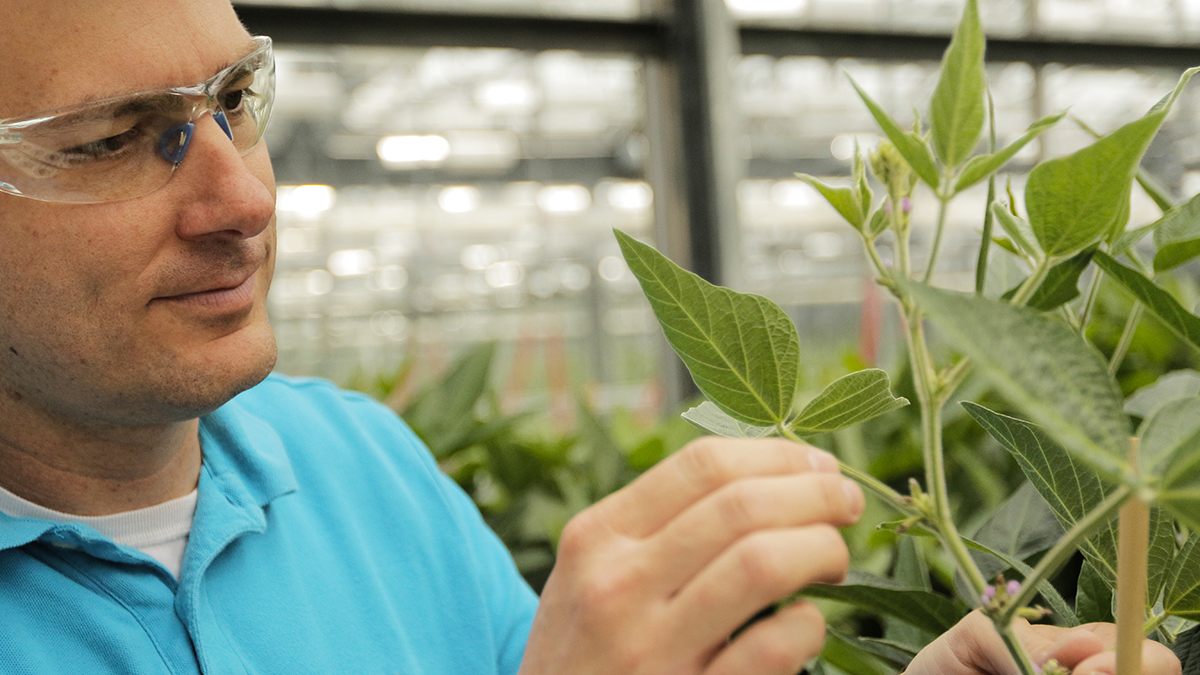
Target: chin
(201,383)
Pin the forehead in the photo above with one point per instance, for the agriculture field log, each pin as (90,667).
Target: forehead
(61,53)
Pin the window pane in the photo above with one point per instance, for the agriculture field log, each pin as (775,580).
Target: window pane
(430,198)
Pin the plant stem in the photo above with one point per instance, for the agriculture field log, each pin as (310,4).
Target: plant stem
(988,219)
(881,268)
(1032,282)
(1089,304)
(881,490)
(1062,551)
(1133,539)
(932,397)
(1154,623)
(937,240)
(1131,323)
(1024,662)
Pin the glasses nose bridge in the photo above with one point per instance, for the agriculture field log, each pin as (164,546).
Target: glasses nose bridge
(174,142)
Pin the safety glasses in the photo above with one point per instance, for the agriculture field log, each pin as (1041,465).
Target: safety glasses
(127,146)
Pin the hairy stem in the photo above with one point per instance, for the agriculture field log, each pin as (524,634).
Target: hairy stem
(937,240)
(1062,551)
(1131,323)
(1024,661)
(988,219)
(932,396)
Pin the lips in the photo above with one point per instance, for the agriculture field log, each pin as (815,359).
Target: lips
(227,283)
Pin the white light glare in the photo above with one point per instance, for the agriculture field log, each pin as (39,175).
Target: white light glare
(459,199)
(504,273)
(564,198)
(767,7)
(401,150)
(612,268)
(507,95)
(632,196)
(305,200)
(842,146)
(351,262)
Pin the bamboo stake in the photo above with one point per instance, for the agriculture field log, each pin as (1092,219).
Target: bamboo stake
(1132,544)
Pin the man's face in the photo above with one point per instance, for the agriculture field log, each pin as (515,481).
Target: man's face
(148,310)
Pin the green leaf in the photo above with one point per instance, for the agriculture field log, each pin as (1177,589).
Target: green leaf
(1130,238)
(957,109)
(911,571)
(709,417)
(850,399)
(1174,428)
(1072,492)
(843,199)
(1018,228)
(896,655)
(1093,596)
(1075,201)
(923,609)
(1173,386)
(1177,235)
(443,414)
(912,147)
(1062,611)
(1183,590)
(1160,303)
(1061,284)
(1023,526)
(1187,648)
(1070,489)
(982,166)
(1041,365)
(1179,489)
(878,222)
(844,652)
(741,349)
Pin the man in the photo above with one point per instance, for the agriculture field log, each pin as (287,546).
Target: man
(164,509)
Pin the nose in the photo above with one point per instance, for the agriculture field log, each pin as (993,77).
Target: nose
(221,192)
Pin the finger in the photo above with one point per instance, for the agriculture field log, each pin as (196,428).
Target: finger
(756,571)
(1156,660)
(743,507)
(780,645)
(701,467)
(1070,647)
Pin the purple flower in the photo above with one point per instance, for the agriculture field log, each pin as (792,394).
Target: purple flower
(906,205)
(989,594)
(1013,587)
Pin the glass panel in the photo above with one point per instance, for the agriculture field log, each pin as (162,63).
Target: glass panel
(593,9)
(430,198)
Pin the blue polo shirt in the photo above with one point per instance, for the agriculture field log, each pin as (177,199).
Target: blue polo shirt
(325,541)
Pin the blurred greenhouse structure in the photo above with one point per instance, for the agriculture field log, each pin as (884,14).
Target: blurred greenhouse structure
(451,170)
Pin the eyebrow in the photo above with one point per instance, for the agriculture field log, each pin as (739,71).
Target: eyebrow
(249,46)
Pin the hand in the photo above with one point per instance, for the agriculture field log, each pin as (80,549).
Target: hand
(974,648)
(655,578)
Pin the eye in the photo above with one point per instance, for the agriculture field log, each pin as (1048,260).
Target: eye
(231,101)
(104,148)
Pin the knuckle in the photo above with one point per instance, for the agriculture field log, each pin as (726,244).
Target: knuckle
(739,507)
(760,564)
(705,461)
(578,536)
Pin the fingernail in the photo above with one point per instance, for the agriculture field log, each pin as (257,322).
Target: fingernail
(822,461)
(854,496)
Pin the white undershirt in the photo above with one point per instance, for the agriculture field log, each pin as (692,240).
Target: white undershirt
(159,531)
